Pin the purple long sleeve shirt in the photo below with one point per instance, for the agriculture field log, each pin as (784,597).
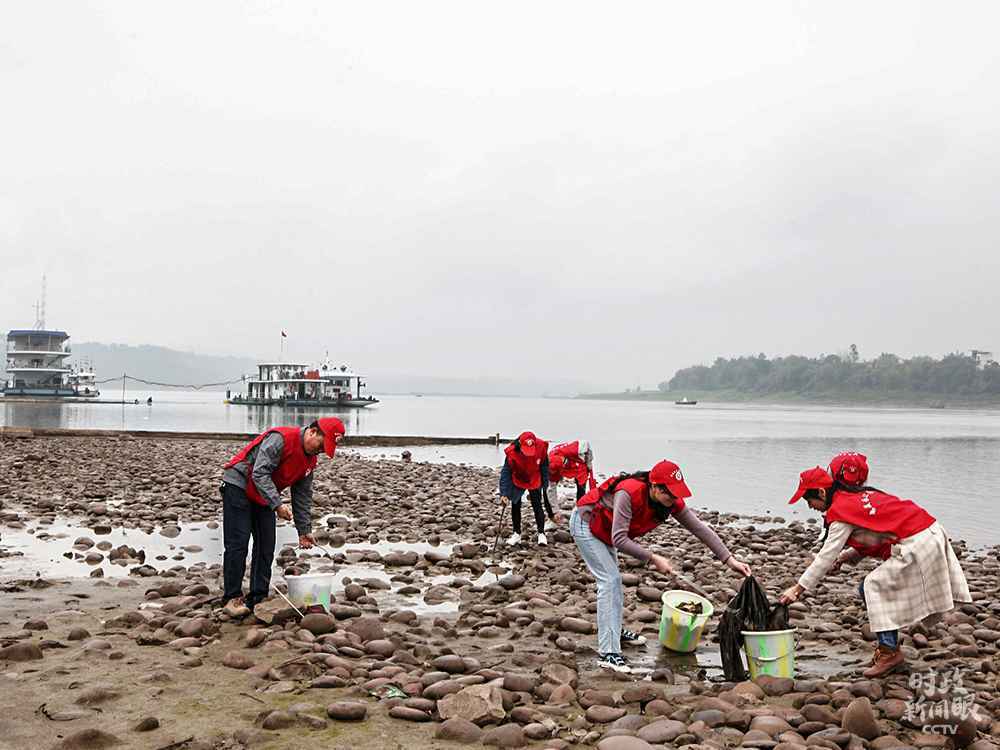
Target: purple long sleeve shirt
(622,517)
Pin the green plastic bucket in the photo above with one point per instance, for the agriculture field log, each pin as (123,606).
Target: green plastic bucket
(770,652)
(679,630)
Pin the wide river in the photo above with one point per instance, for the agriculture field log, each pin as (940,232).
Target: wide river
(736,457)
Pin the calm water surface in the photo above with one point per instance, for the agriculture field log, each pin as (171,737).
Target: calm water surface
(737,457)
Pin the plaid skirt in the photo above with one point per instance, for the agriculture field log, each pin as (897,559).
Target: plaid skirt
(923,577)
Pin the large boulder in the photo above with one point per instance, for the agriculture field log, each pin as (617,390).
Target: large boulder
(859,719)
(368,628)
(21,652)
(480,704)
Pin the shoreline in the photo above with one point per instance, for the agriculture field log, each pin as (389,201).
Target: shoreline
(861,400)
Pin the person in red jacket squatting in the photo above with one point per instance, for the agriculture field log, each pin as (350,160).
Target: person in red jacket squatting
(609,518)
(570,461)
(525,467)
(920,577)
(251,498)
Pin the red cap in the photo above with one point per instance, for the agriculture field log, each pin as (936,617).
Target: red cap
(811,479)
(850,468)
(669,473)
(528,443)
(332,428)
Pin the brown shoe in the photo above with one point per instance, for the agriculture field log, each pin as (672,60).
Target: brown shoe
(236,608)
(884,661)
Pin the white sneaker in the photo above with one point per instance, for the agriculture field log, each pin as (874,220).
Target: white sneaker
(550,525)
(513,540)
(542,540)
(614,662)
(628,638)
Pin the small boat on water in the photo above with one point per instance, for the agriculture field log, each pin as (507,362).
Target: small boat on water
(684,402)
(298,384)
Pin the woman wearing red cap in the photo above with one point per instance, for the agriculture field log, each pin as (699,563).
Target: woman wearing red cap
(571,461)
(526,467)
(251,499)
(609,518)
(920,576)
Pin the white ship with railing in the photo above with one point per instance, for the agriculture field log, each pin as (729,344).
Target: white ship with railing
(300,384)
(37,367)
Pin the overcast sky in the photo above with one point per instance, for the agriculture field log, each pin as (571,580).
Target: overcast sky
(597,191)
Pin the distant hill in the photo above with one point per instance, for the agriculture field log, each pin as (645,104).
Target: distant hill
(161,364)
(955,379)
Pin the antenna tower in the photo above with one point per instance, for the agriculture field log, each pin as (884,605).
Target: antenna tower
(40,309)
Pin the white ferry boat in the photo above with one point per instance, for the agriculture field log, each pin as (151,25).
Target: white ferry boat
(37,367)
(83,381)
(300,384)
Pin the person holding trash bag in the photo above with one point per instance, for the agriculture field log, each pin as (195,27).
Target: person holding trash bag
(571,461)
(609,519)
(920,576)
(526,467)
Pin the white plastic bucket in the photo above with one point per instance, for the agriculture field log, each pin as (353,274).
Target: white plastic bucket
(309,590)
(770,652)
(679,630)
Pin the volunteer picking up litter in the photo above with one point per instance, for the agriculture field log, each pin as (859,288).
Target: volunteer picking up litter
(251,499)
(609,518)
(526,467)
(920,575)
(570,461)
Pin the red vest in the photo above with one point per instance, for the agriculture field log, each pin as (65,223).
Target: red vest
(295,464)
(880,512)
(526,472)
(575,467)
(643,519)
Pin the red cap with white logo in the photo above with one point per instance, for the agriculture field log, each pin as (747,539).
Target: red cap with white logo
(850,468)
(669,473)
(528,443)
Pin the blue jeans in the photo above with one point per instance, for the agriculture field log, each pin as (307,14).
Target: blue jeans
(887,638)
(243,519)
(602,561)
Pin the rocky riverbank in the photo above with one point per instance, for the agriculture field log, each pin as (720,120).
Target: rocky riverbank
(432,642)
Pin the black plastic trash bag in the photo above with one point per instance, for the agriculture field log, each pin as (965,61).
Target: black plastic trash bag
(748,610)
(778,618)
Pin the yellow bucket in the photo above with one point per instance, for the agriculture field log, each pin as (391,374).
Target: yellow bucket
(680,630)
(770,653)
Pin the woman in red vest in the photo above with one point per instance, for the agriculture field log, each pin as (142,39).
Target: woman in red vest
(571,461)
(251,499)
(525,467)
(920,577)
(609,518)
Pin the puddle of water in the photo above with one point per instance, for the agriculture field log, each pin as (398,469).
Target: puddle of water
(25,553)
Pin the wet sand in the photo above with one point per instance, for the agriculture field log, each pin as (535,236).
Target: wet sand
(422,606)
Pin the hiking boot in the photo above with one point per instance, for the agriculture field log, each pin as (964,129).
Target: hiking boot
(236,608)
(614,662)
(513,540)
(628,638)
(543,540)
(884,661)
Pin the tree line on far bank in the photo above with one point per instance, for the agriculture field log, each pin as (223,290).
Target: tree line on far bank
(954,374)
